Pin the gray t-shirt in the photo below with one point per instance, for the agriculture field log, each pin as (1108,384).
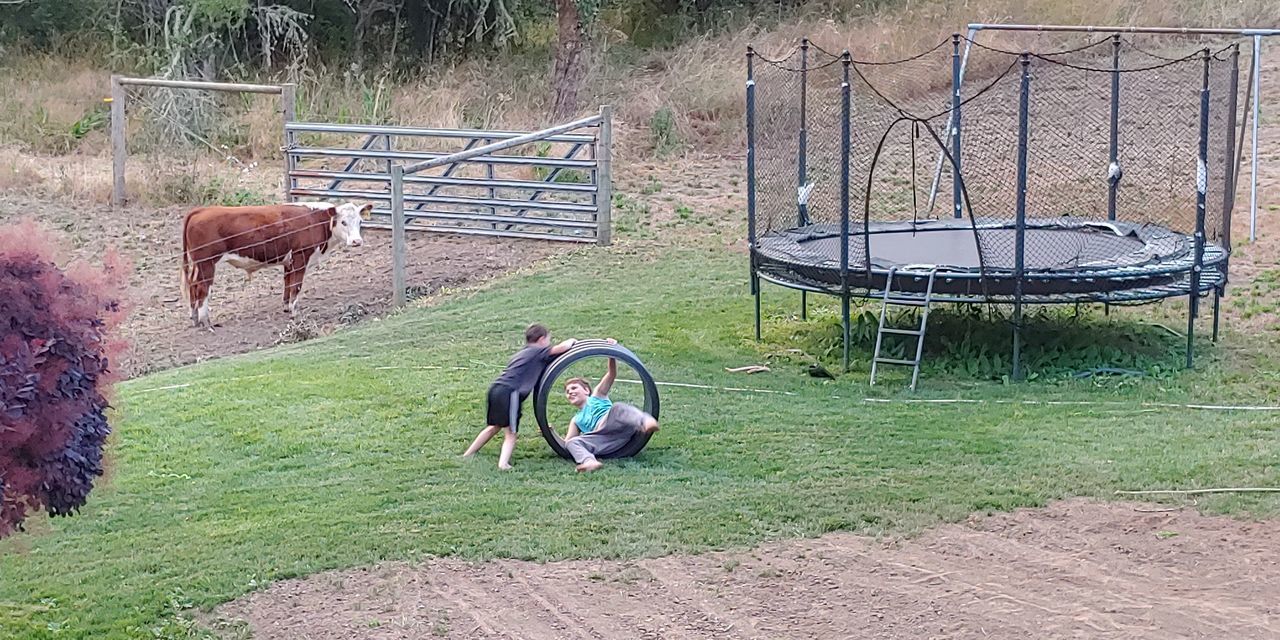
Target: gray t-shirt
(523,370)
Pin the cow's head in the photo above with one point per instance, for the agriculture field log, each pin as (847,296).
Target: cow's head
(346,223)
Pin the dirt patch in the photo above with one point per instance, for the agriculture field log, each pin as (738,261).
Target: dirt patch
(350,286)
(1077,568)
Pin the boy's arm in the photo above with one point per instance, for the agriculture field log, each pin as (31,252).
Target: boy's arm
(573,430)
(606,383)
(610,374)
(562,347)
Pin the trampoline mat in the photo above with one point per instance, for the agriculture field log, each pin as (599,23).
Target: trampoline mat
(1051,246)
(1062,256)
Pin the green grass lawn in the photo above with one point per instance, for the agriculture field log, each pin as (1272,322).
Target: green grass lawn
(344,451)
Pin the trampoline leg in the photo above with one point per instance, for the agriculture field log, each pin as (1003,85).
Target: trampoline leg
(804,305)
(756,287)
(1191,331)
(1017,341)
(1217,308)
(844,312)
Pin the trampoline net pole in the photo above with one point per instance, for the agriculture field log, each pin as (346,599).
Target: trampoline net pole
(803,147)
(802,156)
(751,183)
(1113,165)
(1202,179)
(957,83)
(1019,268)
(1231,172)
(955,126)
(845,151)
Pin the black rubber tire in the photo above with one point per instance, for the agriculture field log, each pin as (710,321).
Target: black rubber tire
(593,349)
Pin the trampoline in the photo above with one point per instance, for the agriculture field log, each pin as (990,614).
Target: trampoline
(1101,172)
(1082,260)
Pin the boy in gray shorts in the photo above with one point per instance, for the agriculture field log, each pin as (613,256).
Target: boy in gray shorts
(507,394)
(601,426)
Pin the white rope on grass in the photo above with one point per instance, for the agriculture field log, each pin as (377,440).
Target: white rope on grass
(939,401)
(1199,491)
(1078,403)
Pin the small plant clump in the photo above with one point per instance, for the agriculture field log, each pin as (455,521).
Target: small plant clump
(56,343)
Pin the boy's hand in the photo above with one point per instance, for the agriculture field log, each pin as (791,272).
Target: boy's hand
(611,341)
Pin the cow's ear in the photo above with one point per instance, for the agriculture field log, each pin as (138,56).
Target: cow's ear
(366,212)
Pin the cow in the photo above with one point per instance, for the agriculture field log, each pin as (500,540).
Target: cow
(296,235)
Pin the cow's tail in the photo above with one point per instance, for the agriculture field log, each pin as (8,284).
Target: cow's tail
(185,265)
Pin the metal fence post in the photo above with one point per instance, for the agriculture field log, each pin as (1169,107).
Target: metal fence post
(604,178)
(397,236)
(1020,246)
(119,153)
(845,144)
(1202,187)
(289,111)
(1253,156)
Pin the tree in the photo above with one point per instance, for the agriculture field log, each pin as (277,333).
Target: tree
(572,17)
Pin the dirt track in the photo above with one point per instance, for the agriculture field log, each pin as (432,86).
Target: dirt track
(1074,569)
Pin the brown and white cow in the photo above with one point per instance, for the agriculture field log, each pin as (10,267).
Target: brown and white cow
(296,235)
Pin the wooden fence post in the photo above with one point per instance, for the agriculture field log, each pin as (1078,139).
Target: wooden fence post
(397,236)
(118,151)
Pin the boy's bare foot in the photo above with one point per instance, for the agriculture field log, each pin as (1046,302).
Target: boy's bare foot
(589,466)
(650,426)
(505,467)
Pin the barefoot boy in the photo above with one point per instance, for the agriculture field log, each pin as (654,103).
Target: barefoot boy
(601,426)
(513,385)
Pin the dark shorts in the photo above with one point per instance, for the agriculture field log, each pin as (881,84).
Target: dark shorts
(504,407)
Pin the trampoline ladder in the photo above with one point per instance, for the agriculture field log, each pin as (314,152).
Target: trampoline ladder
(889,299)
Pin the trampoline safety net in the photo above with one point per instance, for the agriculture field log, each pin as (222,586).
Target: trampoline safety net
(1124,147)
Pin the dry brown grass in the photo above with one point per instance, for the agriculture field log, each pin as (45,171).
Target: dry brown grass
(43,97)
(700,83)
(17,174)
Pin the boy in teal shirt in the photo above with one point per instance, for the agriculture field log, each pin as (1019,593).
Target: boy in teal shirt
(601,426)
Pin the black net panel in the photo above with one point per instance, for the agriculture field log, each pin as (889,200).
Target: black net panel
(797,101)
(900,114)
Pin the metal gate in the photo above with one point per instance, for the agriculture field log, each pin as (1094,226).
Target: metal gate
(551,184)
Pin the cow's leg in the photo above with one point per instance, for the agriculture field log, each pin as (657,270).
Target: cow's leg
(200,286)
(294,269)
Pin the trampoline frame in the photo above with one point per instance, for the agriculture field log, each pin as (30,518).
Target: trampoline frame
(1207,272)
